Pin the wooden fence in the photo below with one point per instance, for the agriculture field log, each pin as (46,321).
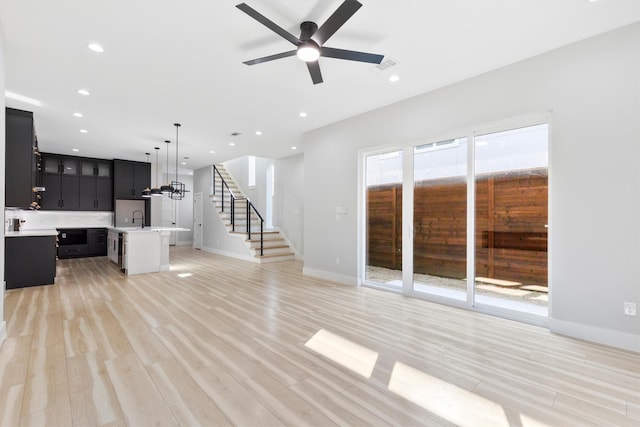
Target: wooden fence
(511,233)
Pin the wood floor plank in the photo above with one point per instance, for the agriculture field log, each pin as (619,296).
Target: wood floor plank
(46,382)
(144,342)
(110,337)
(139,399)
(188,403)
(237,404)
(11,405)
(58,415)
(21,319)
(284,403)
(93,398)
(78,336)
(14,361)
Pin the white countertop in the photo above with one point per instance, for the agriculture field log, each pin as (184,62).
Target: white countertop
(148,229)
(28,233)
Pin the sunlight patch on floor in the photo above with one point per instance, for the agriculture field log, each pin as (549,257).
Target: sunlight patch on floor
(451,402)
(355,357)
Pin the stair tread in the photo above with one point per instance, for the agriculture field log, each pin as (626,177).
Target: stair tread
(283,254)
(271,247)
(252,232)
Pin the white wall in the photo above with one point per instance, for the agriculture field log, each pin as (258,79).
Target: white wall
(592,90)
(289,199)
(3,331)
(239,171)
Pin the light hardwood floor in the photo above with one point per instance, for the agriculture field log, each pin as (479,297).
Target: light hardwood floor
(218,341)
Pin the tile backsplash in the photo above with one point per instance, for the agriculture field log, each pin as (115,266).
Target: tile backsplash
(34,220)
(124,212)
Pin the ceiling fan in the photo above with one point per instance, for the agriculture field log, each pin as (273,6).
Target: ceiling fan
(310,44)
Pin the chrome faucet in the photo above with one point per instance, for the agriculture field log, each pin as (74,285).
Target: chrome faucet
(133,217)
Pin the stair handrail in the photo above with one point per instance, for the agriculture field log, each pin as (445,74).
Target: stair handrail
(232,201)
(249,207)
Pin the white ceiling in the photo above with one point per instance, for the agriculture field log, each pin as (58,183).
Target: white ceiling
(168,61)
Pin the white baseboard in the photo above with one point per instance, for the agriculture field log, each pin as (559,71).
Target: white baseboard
(327,275)
(230,254)
(184,243)
(299,257)
(609,337)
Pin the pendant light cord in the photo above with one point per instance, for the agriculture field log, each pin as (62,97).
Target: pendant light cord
(177,125)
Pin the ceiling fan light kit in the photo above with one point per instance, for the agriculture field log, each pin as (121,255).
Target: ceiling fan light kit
(310,45)
(308,51)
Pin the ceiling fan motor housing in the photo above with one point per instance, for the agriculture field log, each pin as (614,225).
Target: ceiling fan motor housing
(307,29)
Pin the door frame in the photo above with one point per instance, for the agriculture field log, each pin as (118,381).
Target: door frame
(198,227)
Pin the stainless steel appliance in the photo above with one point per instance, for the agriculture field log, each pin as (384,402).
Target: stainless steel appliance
(115,247)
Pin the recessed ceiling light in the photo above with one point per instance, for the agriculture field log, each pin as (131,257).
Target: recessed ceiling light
(303,114)
(77,114)
(294,148)
(232,144)
(83,92)
(22,98)
(75,149)
(394,78)
(258,133)
(183,163)
(83,131)
(212,152)
(96,47)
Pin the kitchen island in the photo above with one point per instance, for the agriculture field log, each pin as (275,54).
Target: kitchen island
(145,250)
(30,258)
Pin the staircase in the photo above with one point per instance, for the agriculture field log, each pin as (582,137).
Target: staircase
(243,220)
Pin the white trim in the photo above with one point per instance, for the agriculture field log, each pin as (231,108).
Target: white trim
(184,243)
(626,341)
(330,276)
(408,189)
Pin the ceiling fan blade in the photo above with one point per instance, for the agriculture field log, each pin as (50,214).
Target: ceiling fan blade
(351,55)
(268,23)
(270,57)
(314,70)
(336,20)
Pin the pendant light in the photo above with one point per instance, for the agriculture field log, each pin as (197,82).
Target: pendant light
(178,187)
(155,191)
(146,193)
(167,188)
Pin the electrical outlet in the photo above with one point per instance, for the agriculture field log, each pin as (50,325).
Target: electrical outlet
(630,308)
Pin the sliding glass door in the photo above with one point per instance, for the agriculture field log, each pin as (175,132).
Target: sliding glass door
(383,186)
(475,215)
(440,218)
(511,219)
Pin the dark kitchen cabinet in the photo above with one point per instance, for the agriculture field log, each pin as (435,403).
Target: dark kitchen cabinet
(29,261)
(96,185)
(130,179)
(97,242)
(22,158)
(82,242)
(61,179)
